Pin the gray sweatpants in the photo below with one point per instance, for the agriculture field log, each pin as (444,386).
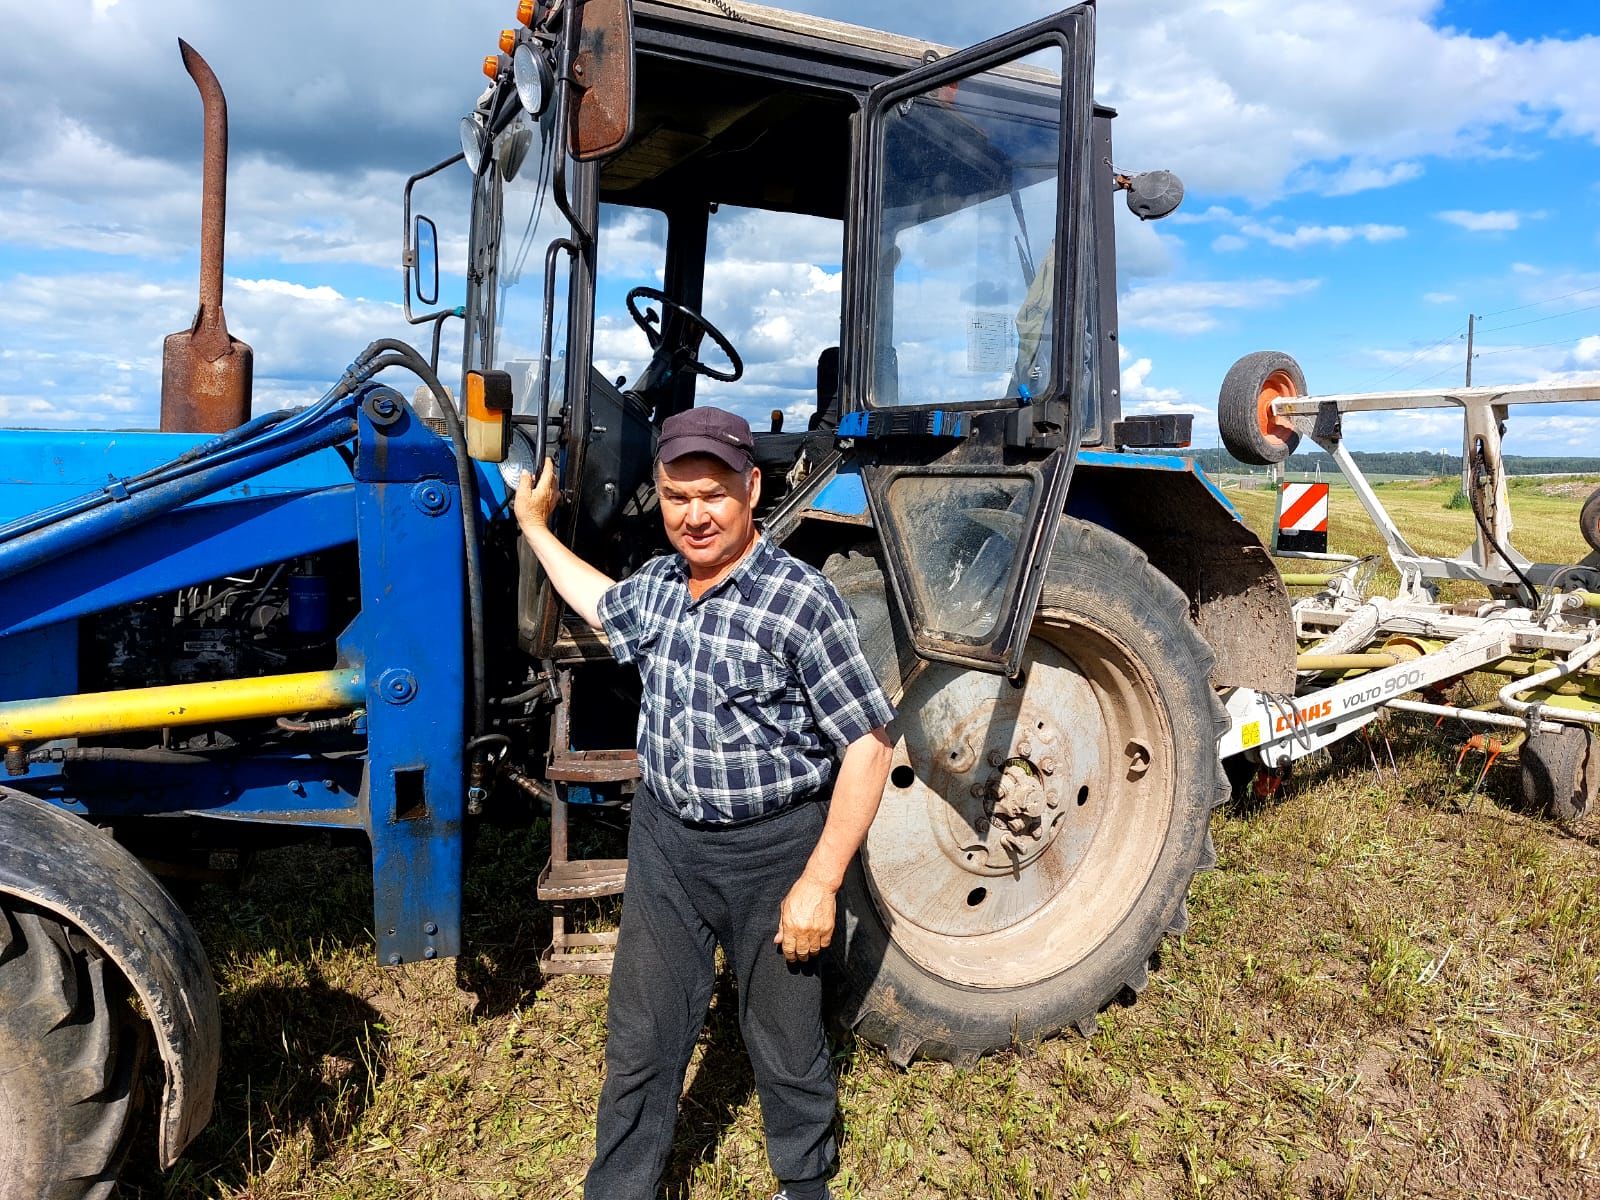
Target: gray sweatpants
(690,888)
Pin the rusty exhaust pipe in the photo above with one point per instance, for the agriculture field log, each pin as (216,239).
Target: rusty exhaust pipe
(206,373)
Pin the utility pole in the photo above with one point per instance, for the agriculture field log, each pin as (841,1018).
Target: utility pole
(1471,321)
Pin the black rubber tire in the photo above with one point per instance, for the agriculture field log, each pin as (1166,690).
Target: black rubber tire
(1589,520)
(1239,418)
(72,1050)
(1101,581)
(1560,772)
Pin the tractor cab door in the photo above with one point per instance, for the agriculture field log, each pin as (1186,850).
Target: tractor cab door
(969,325)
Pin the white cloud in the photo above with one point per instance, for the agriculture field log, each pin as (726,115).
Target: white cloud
(1363,177)
(1302,236)
(1283,236)
(1499,221)
(1191,307)
(86,348)
(1139,396)
(1143,250)
(1255,97)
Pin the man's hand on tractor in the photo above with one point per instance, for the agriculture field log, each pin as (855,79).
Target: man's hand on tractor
(535,504)
(580,584)
(805,919)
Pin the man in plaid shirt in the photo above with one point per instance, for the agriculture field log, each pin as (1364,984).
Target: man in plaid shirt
(753,679)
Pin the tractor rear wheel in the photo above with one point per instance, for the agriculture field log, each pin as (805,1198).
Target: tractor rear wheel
(1037,837)
(71,1052)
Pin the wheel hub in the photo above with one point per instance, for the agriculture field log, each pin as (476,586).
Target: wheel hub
(999,775)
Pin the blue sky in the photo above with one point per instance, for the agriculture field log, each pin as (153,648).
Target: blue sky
(1362,174)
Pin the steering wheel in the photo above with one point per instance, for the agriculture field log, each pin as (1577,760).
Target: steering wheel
(696,326)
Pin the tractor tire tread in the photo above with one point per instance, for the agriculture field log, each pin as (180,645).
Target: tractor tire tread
(85,1107)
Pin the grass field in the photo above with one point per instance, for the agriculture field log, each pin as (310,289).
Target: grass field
(1389,988)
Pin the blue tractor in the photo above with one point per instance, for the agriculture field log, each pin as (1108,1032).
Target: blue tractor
(238,630)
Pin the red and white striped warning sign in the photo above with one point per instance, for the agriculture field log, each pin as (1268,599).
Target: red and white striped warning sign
(1302,518)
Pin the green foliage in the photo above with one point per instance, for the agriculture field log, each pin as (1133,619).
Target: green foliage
(1458,501)
(1399,462)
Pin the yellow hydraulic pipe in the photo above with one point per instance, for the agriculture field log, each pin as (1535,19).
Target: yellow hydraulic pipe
(1590,599)
(1372,660)
(179,704)
(1296,580)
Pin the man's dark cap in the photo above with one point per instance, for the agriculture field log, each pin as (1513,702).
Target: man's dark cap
(723,435)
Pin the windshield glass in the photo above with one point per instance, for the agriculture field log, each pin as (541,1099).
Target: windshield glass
(529,220)
(968,213)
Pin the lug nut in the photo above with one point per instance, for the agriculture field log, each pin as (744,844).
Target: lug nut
(1047,765)
(1024,747)
(996,758)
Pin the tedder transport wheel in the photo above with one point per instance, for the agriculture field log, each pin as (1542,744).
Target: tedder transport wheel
(71,1051)
(1589,520)
(1249,429)
(1037,837)
(1560,772)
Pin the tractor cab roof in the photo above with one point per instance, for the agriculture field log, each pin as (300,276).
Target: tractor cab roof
(748,105)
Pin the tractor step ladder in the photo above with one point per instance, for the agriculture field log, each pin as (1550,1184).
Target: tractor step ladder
(565,881)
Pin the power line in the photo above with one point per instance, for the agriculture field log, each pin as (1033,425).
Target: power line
(1538,320)
(1449,337)
(1518,349)
(1442,371)
(1535,303)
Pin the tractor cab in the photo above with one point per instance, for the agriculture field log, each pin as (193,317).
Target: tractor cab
(895,260)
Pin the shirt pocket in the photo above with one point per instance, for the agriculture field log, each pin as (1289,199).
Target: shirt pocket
(755,705)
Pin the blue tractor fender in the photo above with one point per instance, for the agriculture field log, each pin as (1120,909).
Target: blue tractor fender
(62,863)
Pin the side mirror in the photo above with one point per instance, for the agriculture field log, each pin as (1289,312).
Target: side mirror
(602,79)
(425,261)
(1151,194)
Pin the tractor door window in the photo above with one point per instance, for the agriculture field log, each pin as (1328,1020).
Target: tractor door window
(632,251)
(772,285)
(965,280)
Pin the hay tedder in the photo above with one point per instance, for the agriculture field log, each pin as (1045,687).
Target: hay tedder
(1489,610)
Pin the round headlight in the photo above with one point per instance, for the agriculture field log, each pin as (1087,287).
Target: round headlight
(533,78)
(474,143)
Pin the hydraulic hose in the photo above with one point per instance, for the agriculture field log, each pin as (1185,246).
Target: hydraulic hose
(1480,464)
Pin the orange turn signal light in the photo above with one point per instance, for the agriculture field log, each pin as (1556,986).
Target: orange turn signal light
(525,11)
(508,40)
(488,413)
(491,65)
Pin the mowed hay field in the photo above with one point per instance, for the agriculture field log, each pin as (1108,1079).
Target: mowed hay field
(1389,988)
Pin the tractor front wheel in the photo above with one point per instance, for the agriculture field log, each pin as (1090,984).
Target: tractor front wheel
(71,1051)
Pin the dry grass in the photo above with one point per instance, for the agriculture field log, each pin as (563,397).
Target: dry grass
(1389,988)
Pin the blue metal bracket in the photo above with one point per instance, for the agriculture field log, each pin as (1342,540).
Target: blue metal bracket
(411,638)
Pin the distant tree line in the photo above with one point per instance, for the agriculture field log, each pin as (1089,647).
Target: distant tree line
(1399,462)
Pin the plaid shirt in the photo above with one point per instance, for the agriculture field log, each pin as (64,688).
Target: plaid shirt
(748,689)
